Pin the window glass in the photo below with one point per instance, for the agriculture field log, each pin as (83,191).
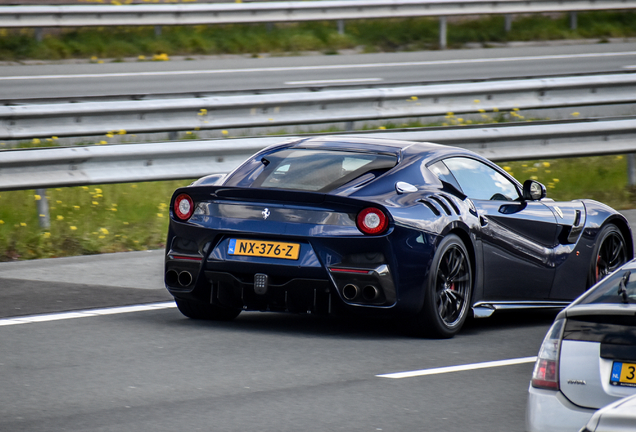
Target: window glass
(608,292)
(442,172)
(479,181)
(319,170)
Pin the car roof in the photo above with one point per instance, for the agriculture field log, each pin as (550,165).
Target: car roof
(364,143)
(422,150)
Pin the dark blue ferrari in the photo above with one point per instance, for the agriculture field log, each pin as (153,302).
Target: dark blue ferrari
(418,231)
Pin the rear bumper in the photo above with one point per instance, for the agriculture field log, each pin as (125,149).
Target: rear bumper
(549,410)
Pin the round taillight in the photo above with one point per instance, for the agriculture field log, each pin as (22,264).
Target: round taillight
(183,207)
(372,221)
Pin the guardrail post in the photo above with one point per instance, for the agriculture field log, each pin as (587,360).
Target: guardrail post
(631,169)
(157,30)
(442,32)
(43,208)
(341,27)
(573,20)
(39,34)
(507,22)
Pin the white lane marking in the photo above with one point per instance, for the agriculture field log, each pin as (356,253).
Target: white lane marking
(333,81)
(448,369)
(85,313)
(320,67)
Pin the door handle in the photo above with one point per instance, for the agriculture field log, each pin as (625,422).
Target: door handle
(483,220)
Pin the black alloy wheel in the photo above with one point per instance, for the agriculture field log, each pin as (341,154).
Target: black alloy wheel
(609,254)
(448,291)
(452,285)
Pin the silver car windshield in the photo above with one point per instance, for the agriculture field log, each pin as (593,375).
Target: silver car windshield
(618,288)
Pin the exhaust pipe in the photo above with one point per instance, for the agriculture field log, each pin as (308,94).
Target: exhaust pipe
(185,278)
(350,291)
(172,277)
(370,293)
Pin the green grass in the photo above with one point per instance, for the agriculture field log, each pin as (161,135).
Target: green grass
(126,217)
(372,35)
(86,220)
(602,178)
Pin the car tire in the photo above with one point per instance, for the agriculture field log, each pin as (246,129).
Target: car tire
(610,252)
(204,311)
(448,290)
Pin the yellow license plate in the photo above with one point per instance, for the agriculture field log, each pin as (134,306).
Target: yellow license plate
(261,248)
(623,374)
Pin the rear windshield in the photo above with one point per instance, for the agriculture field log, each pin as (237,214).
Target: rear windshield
(319,170)
(618,288)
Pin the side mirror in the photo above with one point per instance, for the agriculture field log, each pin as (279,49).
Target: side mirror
(533,190)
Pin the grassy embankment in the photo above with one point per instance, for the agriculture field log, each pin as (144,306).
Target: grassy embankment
(109,218)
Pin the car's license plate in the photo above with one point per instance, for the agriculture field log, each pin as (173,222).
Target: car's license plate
(261,248)
(623,374)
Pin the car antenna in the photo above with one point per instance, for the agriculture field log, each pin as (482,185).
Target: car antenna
(622,289)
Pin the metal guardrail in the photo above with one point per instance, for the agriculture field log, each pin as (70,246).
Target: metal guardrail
(75,166)
(302,108)
(189,14)
(270,12)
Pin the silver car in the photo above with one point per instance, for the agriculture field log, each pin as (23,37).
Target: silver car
(588,357)
(619,416)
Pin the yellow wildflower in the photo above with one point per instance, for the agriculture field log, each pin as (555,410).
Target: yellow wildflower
(60,217)
(73,227)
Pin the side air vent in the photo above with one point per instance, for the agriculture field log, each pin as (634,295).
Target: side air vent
(441,203)
(430,206)
(450,202)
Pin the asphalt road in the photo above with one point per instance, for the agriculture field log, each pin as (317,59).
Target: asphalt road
(155,370)
(74,358)
(93,343)
(234,73)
